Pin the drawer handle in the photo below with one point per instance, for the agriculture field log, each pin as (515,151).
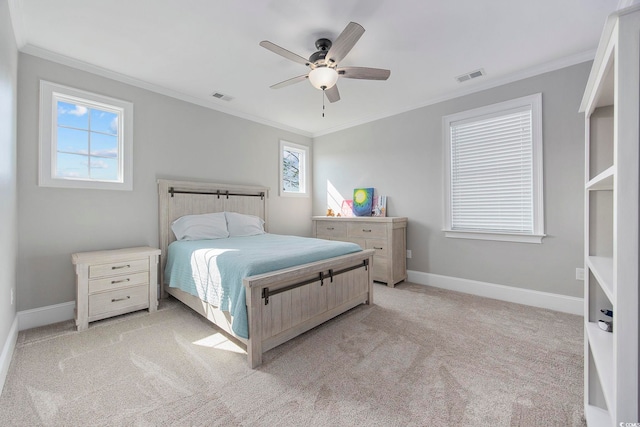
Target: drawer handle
(119,281)
(366,231)
(378,248)
(330,228)
(120,299)
(117,267)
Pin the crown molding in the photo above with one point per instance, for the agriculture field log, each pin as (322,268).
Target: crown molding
(489,84)
(520,75)
(39,52)
(15,12)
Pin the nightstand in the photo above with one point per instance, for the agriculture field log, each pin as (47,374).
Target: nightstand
(109,283)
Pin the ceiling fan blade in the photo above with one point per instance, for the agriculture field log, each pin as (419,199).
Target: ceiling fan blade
(364,73)
(332,93)
(290,81)
(284,52)
(344,43)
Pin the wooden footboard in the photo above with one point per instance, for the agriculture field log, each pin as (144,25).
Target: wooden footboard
(286,303)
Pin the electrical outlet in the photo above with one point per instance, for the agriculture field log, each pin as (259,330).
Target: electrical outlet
(579,273)
(408,253)
(12,296)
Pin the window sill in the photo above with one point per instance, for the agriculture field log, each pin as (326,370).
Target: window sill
(501,237)
(84,184)
(292,194)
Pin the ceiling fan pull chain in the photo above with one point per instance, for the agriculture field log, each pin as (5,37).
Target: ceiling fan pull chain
(323,89)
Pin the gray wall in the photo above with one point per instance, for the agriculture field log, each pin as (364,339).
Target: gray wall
(401,156)
(8,205)
(172,139)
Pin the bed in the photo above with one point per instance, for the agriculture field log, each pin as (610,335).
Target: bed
(280,304)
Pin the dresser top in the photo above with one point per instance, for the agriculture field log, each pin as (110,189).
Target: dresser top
(393,219)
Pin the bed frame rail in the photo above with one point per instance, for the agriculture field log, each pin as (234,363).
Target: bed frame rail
(224,193)
(266,292)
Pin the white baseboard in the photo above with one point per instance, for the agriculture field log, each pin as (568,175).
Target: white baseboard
(48,315)
(7,351)
(563,303)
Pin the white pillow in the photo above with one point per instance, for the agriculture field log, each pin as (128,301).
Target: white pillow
(201,227)
(241,225)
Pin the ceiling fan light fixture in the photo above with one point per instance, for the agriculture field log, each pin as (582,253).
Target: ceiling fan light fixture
(323,77)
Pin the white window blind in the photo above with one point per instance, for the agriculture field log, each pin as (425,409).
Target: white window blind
(495,171)
(491,174)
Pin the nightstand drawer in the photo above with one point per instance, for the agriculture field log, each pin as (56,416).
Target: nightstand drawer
(124,267)
(116,282)
(367,230)
(331,229)
(105,302)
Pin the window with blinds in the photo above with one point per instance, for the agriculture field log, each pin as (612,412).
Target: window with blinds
(494,172)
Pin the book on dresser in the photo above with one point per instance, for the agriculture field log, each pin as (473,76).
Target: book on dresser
(386,235)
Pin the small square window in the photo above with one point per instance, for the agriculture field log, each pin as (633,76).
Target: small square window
(85,139)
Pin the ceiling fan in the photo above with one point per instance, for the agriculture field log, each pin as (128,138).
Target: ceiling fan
(325,71)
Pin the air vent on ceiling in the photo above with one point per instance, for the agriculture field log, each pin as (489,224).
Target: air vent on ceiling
(222,96)
(471,75)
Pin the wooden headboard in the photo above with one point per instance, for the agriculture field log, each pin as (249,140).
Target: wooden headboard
(179,198)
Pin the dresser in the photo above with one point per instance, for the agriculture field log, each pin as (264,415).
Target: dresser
(386,235)
(113,282)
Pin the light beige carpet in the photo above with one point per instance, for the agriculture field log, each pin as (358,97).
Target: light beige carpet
(418,357)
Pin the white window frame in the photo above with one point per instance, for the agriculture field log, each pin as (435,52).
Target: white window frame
(304,172)
(535,103)
(50,93)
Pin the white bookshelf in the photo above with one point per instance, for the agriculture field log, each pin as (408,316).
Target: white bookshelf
(611,105)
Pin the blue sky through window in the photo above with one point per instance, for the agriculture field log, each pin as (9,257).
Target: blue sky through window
(87,142)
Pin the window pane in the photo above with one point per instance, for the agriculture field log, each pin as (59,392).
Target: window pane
(291,170)
(72,166)
(104,169)
(104,145)
(73,141)
(104,121)
(72,115)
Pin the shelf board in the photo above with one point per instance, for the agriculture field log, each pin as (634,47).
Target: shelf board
(602,269)
(597,416)
(601,344)
(602,181)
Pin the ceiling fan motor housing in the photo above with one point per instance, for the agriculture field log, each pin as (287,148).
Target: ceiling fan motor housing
(323,46)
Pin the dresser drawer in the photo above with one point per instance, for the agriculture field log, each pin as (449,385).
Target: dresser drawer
(331,229)
(367,230)
(379,271)
(380,246)
(116,282)
(124,267)
(118,299)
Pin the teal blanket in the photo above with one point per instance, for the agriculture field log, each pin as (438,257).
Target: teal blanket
(213,269)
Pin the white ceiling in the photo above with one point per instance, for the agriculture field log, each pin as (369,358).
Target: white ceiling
(191,49)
